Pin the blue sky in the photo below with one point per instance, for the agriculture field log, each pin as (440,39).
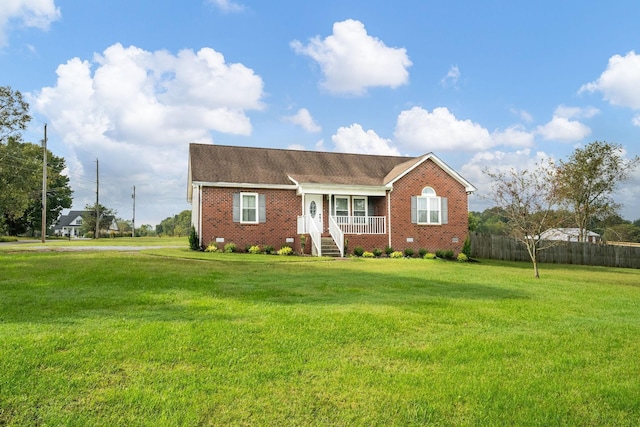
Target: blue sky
(495,84)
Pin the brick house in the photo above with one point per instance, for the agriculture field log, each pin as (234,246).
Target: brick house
(258,196)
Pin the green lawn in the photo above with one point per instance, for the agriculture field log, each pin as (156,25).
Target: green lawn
(174,337)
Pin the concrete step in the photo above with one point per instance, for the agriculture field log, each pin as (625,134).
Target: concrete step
(329,247)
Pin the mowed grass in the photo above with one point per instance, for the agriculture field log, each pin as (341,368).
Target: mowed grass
(174,337)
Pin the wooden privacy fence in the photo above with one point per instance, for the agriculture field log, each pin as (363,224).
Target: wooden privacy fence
(509,249)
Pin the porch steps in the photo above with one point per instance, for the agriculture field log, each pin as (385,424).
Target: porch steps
(329,247)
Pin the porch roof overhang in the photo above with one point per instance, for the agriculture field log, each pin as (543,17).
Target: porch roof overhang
(303,188)
(340,189)
(244,185)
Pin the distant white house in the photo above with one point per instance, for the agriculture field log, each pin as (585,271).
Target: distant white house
(569,235)
(70,224)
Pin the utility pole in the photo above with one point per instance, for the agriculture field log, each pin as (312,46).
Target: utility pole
(133,221)
(97,235)
(43,230)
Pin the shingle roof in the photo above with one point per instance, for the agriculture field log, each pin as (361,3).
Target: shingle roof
(65,220)
(220,163)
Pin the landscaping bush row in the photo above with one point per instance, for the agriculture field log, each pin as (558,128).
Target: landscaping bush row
(410,253)
(358,252)
(252,249)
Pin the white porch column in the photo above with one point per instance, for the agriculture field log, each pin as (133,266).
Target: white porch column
(389,215)
(304,212)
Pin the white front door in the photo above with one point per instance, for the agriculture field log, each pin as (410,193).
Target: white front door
(314,210)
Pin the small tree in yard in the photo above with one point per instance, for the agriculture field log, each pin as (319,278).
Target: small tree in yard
(527,199)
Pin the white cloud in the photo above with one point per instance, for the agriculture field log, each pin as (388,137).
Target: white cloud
(26,13)
(452,77)
(524,115)
(513,136)
(620,82)
(440,130)
(137,110)
(636,120)
(227,5)
(303,119)
(576,112)
(564,130)
(352,61)
(354,139)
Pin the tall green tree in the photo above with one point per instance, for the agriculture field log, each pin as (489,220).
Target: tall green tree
(107,216)
(622,233)
(124,226)
(177,225)
(587,180)
(492,221)
(21,171)
(21,183)
(145,230)
(14,113)
(18,181)
(25,172)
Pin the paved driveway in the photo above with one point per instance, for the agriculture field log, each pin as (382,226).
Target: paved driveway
(45,247)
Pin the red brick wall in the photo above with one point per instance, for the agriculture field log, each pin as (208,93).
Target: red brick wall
(283,208)
(368,242)
(430,237)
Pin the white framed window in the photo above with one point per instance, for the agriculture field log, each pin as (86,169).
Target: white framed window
(359,209)
(341,206)
(428,207)
(249,208)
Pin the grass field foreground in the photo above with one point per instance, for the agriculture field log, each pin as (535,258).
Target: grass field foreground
(174,337)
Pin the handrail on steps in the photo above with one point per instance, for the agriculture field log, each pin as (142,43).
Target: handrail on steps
(337,234)
(316,238)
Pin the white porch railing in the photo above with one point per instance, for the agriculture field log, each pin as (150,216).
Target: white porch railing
(316,237)
(361,224)
(337,235)
(302,224)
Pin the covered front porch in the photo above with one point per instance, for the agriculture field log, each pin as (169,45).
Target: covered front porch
(336,215)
